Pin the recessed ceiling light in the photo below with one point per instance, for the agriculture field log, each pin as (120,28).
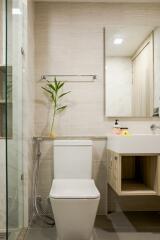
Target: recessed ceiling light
(16,11)
(118,41)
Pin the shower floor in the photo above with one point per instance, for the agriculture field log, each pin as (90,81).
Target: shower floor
(118,226)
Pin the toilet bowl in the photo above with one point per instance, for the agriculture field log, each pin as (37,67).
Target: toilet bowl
(74,203)
(73,195)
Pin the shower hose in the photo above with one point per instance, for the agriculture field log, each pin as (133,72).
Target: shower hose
(39,210)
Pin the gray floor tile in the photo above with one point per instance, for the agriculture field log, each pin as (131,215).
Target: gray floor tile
(119,226)
(41,234)
(104,235)
(137,236)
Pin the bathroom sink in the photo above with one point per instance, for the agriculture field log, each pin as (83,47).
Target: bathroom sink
(138,143)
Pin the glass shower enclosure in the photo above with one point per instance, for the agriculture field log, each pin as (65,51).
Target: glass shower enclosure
(11,75)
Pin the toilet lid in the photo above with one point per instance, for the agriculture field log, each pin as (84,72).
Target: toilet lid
(74,188)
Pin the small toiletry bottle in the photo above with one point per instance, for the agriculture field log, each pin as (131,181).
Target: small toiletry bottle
(124,131)
(116,127)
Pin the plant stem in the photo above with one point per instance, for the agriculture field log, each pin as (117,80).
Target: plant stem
(54,113)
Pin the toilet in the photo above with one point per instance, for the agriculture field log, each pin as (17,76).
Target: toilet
(73,195)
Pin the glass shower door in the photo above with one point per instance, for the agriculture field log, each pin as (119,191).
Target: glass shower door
(14,118)
(3,108)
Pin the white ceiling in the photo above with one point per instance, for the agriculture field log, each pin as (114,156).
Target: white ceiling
(107,1)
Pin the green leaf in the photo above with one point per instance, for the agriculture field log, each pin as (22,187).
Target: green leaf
(60,85)
(47,90)
(53,98)
(51,86)
(61,108)
(56,83)
(63,94)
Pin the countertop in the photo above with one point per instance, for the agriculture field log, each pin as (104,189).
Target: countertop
(47,138)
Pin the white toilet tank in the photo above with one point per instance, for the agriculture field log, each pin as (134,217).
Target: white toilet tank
(72,159)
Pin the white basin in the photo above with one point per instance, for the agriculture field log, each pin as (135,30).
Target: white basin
(137,143)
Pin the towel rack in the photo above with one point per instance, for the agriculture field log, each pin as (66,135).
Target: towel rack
(81,76)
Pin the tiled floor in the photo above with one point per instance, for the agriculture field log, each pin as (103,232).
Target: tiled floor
(119,226)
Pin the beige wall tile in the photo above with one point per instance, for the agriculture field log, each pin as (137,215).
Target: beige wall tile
(69,40)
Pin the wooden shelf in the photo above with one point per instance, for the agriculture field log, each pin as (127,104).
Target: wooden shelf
(138,173)
(134,185)
(133,175)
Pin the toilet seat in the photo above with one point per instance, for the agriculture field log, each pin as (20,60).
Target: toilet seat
(74,189)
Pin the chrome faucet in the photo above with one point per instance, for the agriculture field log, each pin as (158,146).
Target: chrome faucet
(154,127)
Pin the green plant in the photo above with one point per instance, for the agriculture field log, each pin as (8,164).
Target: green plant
(54,90)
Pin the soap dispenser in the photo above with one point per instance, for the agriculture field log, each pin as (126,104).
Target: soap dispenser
(116,127)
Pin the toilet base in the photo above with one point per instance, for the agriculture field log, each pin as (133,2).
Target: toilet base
(74,217)
(93,237)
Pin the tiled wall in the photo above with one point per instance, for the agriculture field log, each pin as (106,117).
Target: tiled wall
(85,113)
(69,40)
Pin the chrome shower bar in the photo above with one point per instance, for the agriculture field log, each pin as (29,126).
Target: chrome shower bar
(93,77)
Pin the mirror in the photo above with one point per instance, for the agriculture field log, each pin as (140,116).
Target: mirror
(132,71)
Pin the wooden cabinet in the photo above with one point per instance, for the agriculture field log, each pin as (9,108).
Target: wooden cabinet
(112,168)
(133,174)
